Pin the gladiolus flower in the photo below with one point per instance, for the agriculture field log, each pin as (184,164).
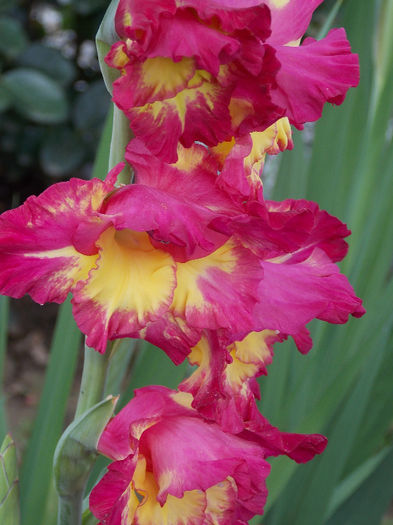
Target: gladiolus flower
(294,241)
(171,466)
(209,72)
(173,255)
(224,385)
(241,160)
(314,72)
(112,249)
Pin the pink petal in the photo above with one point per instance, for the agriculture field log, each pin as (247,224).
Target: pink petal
(132,285)
(185,36)
(290,19)
(314,73)
(180,202)
(198,112)
(111,494)
(150,403)
(299,447)
(291,295)
(208,288)
(187,453)
(42,251)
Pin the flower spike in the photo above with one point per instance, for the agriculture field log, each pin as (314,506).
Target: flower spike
(172,466)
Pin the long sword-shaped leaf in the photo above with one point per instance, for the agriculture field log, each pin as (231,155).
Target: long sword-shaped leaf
(327,391)
(4,306)
(9,489)
(368,504)
(36,470)
(353,482)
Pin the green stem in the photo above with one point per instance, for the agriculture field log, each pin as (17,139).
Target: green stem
(94,374)
(121,136)
(93,379)
(4,306)
(70,511)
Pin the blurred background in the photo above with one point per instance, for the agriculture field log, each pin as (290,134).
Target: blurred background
(53,108)
(52,100)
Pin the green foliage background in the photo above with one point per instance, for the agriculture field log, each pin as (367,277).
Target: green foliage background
(344,387)
(52,99)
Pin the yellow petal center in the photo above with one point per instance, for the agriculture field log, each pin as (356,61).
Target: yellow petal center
(144,509)
(131,274)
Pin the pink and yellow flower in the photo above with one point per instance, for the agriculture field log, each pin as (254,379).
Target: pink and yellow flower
(241,160)
(294,242)
(210,71)
(172,466)
(174,255)
(182,63)
(224,385)
(126,256)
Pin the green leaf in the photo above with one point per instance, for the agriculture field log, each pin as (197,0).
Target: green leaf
(106,36)
(91,107)
(153,366)
(88,518)
(4,311)
(9,490)
(77,448)
(384,46)
(350,484)
(369,503)
(49,61)
(36,473)
(5,99)
(36,96)
(101,163)
(12,37)
(62,152)
(330,20)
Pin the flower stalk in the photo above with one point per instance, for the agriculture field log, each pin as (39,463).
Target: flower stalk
(93,379)
(75,455)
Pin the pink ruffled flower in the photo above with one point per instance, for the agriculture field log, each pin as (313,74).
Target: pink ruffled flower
(187,66)
(224,385)
(172,466)
(241,159)
(174,255)
(314,72)
(212,71)
(295,243)
(131,256)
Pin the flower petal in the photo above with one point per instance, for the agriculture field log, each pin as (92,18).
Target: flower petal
(299,447)
(290,19)
(189,508)
(223,385)
(175,203)
(140,15)
(150,404)
(314,73)
(243,159)
(132,285)
(180,463)
(291,295)
(152,80)
(198,112)
(109,498)
(208,288)
(185,36)
(41,252)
